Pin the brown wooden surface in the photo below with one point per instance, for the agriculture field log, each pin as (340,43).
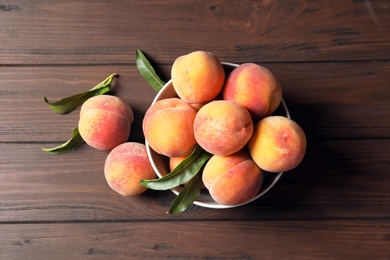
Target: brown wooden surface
(332,58)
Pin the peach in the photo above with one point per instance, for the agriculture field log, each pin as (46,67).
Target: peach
(105,122)
(126,165)
(168,127)
(254,87)
(232,179)
(197,77)
(278,144)
(223,127)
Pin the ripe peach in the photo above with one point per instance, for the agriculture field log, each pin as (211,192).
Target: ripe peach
(278,144)
(126,165)
(223,127)
(254,87)
(232,179)
(168,127)
(197,77)
(105,121)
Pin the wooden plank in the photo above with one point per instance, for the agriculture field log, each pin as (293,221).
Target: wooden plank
(26,117)
(329,100)
(68,32)
(198,240)
(338,179)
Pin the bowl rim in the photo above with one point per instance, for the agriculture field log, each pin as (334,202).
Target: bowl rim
(199,202)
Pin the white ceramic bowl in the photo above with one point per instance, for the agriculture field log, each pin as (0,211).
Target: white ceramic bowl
(160,163)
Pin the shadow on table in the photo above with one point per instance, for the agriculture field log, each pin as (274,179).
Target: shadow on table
(321,184)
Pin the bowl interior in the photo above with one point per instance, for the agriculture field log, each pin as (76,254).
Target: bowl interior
(160,163)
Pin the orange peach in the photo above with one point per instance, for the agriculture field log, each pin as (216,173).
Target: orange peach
(278,144)
(254,87)
(105,122)
(197,77)
(223,127)
(232,179)
(126,165)
(168,127)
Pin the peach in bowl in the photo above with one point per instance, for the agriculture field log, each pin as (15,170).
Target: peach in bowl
(161,163)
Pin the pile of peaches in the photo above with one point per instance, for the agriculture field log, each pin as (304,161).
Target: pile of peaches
(229,115)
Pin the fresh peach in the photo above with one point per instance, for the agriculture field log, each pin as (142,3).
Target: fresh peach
(254,87)
(278,144)
(105,122)
(232,179)
(223,127)
(126,165)
(168,127)
(197,77)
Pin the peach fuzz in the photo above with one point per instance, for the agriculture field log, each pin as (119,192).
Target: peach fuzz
(105,122)
(254,87)
(126,165)
(233,179)
(197,77)
(278,144)
(223,127)
(168,127)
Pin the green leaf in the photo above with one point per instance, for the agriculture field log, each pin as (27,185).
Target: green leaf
(68,146)
(187,195)
(148,72)
(186,170)
(68,104)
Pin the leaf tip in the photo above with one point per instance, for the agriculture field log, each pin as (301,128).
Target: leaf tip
(142,182)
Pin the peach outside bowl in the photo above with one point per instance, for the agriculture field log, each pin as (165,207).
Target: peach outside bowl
(160,162)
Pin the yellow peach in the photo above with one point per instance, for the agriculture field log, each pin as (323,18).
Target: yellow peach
(168,127)
(105,122)
(197,77)
(232,179)
(125,166)
(278,144)
(255,87)
(223,127)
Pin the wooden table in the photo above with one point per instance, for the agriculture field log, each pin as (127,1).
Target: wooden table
(332,59)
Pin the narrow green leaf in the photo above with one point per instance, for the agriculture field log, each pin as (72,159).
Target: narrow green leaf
(187,169)
(187,195)
(68,146)
(68,104)
(148,72)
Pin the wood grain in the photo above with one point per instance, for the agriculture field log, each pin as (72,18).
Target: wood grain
(177,240)
(69,32)
(339,179)
(329,100)
(332,59)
